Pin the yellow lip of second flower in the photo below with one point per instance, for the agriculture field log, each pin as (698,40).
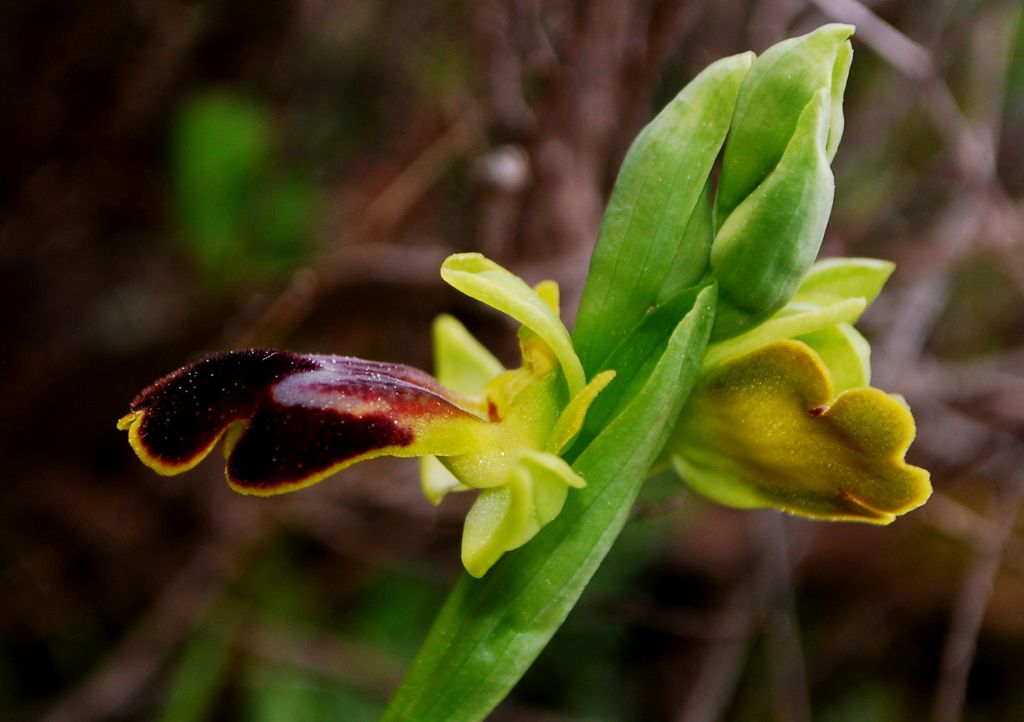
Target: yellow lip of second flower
(766,429)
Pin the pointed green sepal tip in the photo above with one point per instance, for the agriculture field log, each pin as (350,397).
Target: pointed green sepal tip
(766,429)
(463,364)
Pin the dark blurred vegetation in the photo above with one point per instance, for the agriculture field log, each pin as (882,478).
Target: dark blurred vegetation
(185,177)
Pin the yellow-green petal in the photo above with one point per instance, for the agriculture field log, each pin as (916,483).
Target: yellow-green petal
(845,353)
(836,278)
(486,281)
(463,364)
(552,476)
(501,519)
(504,518)
(796,319)
(571,420)
(550,294)
(436,481)
(764,430)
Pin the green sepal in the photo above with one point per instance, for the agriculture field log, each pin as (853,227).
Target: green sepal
(840,74)
(462,363)
(797,319)
(436,481)
(490,630)
(656,230)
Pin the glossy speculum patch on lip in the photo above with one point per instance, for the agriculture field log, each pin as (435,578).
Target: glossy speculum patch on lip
(290,418)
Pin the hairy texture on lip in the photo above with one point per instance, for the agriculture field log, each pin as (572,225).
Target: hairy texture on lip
(183,414)
(283,446)
(291,419)
(766,429)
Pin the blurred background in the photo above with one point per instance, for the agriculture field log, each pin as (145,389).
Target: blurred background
(186,177)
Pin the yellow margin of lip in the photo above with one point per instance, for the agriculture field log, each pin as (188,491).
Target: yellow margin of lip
(132,423)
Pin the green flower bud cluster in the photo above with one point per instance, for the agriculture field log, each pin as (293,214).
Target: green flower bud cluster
(782,414)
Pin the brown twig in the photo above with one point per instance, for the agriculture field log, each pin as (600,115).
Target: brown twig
(317,653)
(143,651)
(976,530)
(789,671)
(715,683)
(350,259)
(901,52)
(979,582)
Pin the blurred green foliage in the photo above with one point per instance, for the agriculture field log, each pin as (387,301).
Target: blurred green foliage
(217,673)
(199,673)
(241,216)
(275,693)
(874,701)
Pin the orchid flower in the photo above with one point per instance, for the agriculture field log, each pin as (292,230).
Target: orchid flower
(290,420)
(735,360)
(784,416)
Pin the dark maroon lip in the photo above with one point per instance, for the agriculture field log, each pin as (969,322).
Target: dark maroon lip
(283,446)
(188,409)
(303,414)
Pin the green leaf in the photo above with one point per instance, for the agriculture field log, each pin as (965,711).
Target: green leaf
(199,674)
(634,359)
(656,232)
(491,629)
(693,253)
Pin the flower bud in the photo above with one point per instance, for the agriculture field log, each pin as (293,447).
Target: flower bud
(776,187)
